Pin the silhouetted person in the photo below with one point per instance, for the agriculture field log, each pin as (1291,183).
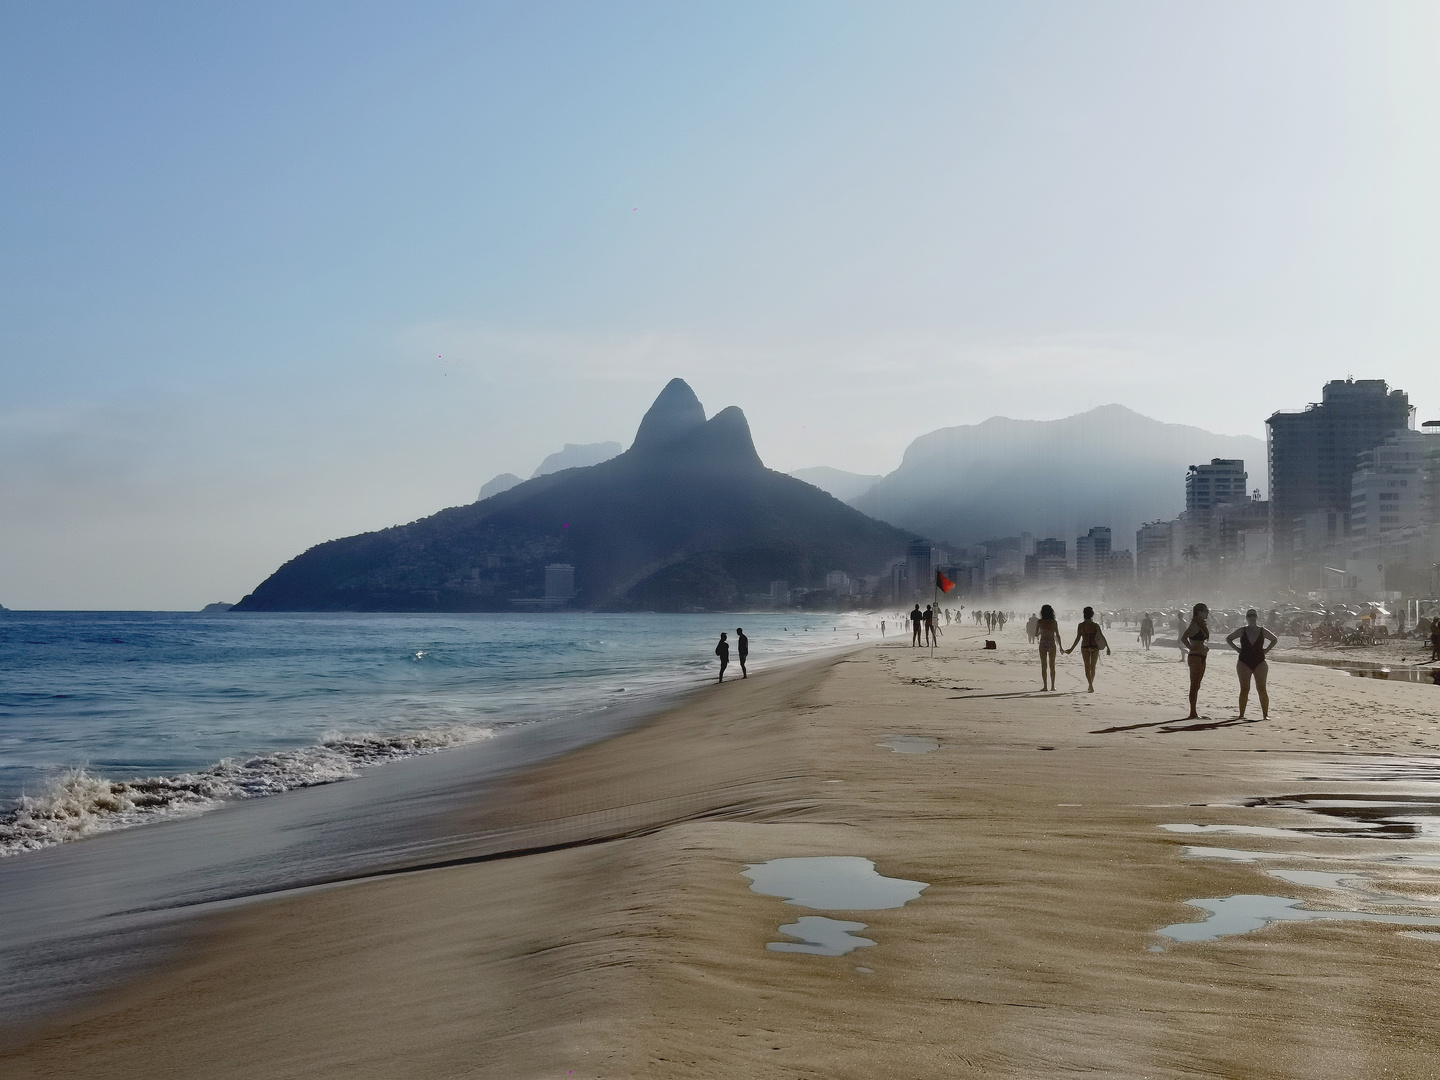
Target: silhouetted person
(928,618)
(742,650)
(882,628)
(1048,631)
(1435,637)
(1091,640)
(1193,642)
(1030,624)
(1252,649)
(915,626)
(1147,630)
(723,652)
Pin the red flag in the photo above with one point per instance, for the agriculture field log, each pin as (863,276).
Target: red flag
(943,583)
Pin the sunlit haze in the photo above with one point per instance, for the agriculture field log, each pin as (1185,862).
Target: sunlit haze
(279,273)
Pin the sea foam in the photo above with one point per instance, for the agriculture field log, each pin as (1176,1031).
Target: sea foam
(76,804)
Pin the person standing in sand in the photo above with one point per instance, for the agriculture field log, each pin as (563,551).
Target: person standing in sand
(915,626)
(1193,642)
(1147,631)
(722,650)
(1048,631)
(928,619)
(1091,640)
(1252,649)
(1030,625)
(742,650)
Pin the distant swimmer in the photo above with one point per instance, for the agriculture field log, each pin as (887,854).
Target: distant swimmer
(915,618)
(1091,640)
(723,652)
(1147,631)
(1048,631)
(1193,642)
(1250,642)
(742,650)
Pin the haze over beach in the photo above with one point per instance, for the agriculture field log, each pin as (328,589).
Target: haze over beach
(553,540)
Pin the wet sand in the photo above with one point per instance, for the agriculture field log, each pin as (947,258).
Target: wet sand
(611,933)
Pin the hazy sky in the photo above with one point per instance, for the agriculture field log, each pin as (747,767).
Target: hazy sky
(284,272)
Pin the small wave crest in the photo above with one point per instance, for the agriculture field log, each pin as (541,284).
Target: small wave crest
(76,804)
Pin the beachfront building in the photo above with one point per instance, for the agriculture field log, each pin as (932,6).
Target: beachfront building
(560,581)
(1047,564)
(838,582)
(1208,488)
(1387,491)
(1312,456)
(1155,549)
(918,565)
(1092,555)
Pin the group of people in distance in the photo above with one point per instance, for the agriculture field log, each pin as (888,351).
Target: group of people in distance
(1252,642)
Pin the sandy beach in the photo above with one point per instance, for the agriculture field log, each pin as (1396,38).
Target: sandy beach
(592,920)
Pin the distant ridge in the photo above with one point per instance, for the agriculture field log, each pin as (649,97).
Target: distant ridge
(845,486)
(1108,466)
(688,518)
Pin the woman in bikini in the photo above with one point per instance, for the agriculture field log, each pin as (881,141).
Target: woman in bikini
(1192,641)
(1250,642)
(1048,630)
(1091,640)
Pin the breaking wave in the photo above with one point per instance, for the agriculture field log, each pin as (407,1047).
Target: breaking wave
(76,804)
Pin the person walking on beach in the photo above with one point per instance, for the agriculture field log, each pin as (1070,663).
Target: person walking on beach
(742,650)
(882,628)
(915,618)
(723,652)
(1252,649)
(1048,631)
(1030,628)
(1147,631)
(1180,635)
(1091,640)
(1193,642)
(928,618)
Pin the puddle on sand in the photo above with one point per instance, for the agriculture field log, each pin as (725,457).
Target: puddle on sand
(1231,854)
(1395,817)
(820,936)
(911,744)
(1231,915)
(1364,669)
(831,883)
(1255,830)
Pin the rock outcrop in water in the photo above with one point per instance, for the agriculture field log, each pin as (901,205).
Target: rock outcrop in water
(688,518)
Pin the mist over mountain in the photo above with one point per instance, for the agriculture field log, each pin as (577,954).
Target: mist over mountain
(688,518)
(1109,466)
(577,456)
(845,486)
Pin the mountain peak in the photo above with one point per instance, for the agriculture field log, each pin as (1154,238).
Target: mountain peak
(675,412)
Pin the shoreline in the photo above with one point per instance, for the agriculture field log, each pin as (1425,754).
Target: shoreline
(125,891)
(632,945)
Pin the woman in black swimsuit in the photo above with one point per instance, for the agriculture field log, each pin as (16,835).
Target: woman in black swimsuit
(1252,647)
(1192,641)
(1091,640)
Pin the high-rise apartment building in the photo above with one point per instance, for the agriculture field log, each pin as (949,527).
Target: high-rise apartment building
(1207,488)
(1312,454)
(1155,548)
(1387,491)
(1092,555)
(917,567)
(1047,564)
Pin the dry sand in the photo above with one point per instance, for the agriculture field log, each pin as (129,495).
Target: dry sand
(1030,954)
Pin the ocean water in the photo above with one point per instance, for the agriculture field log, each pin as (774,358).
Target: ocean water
(110,720)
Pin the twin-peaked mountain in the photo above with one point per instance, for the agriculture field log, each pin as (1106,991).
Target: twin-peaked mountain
(687,518)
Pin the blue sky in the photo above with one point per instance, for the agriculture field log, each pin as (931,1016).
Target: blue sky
(271,274)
